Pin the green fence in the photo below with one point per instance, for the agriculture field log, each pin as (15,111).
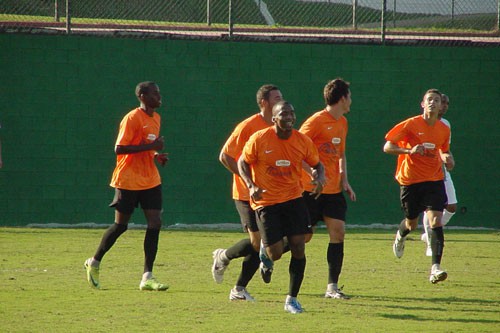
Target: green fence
(382,19)
(63,97)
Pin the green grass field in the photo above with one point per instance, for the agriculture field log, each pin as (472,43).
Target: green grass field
(43,286)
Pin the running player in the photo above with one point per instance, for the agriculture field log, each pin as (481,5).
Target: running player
(136,181)
(328,130)
(422,146)
(271,166)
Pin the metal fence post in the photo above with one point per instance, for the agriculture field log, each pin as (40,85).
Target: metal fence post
(382,23)
(230,19)
(68,17)
(209,21)
(452,11)
(354,6)
(394,14)
(56,10)
(498,16)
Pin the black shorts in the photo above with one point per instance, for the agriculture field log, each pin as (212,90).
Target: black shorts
(125,201)
(330,205)
(419,197)
(284,219)
(247,216)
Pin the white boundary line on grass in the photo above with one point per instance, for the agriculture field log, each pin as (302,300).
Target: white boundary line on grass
(219,226)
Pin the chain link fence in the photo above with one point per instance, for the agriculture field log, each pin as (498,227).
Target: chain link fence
(289,19)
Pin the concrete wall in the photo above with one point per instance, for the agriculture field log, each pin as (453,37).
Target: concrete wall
(62,99)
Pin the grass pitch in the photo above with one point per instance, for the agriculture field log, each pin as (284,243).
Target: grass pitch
(43,286)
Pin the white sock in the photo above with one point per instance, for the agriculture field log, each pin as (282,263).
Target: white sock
(425,222)
(94,263)
(224,257)
(289,298)
(446,217)
(332,287)
(146,276)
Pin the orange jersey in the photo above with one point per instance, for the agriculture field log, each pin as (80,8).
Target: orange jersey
(234,146)
(137,171)
(277,164)
(418,168)
(328,135)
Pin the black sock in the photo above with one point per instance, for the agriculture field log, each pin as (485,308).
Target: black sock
(403,230)
(296,269)
(241,249)
(335,258)
(150,248)
(108,239)
(437,244)
(248,268)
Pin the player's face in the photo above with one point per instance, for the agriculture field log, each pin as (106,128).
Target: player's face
(285,118)
(444,107)
(431,104)
(152,98)
(275,96)
(347,102)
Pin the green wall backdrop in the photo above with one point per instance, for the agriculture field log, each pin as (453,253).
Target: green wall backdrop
(62,99)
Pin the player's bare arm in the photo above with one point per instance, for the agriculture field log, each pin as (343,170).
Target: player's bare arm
(245,174)
(229,163)
(393,149)
(157,144)
(343,176)
(318,172)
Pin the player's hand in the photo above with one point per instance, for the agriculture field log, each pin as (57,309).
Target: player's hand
(256,193)
(162,158)
(347,188)
(418,149)
(318,188)
(158,143)
(449,162)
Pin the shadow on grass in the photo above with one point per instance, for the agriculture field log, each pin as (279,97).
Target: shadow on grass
(434,300)
(434,319)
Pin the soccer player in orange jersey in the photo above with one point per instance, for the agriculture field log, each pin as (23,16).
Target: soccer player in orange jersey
(328,130)
(136,181)
(271,167)
(422,144)
(267,96)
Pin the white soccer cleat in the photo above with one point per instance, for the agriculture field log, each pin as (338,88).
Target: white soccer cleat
(241,295)
(438,275)
(293,306)
(219,266)
(399,245)
(336,294)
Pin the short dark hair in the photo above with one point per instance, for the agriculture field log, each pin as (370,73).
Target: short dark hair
(433,91)
(280,105)
(334,90)
(143,88)
(264,91)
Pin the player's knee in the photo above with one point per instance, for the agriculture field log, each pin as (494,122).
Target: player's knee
(275,255)
(154,224)
(451,208)
(256,245)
